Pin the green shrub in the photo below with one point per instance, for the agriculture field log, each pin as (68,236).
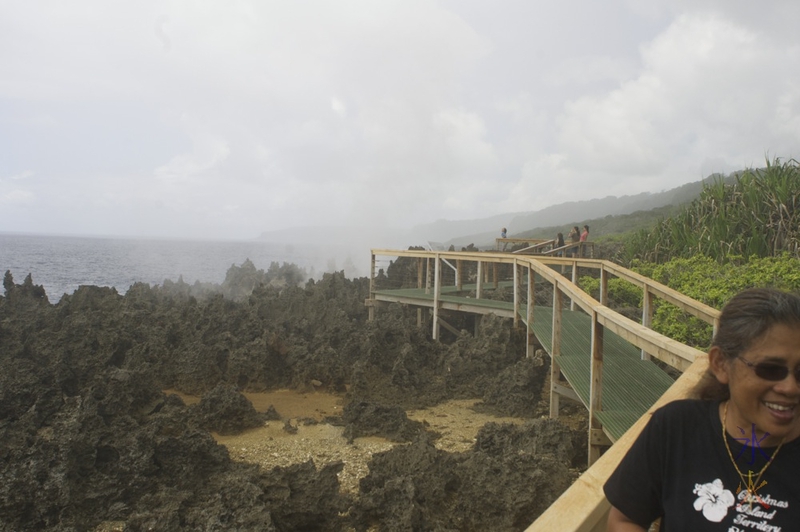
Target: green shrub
(712,283)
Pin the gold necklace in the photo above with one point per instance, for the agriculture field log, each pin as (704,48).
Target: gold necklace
(750,486)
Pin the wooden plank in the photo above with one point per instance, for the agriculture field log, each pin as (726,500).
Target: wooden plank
(565,392)
(598,438)
(449,327)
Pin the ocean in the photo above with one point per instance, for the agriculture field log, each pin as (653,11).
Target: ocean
(62,263)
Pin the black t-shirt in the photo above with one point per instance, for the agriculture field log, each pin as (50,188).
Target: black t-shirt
(679,468)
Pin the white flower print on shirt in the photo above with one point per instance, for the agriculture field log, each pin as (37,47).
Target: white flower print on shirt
(714,500)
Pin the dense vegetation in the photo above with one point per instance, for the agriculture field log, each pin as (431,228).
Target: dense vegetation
(758,214)
(741,232)
(701,278)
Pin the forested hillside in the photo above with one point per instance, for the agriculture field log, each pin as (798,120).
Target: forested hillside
(740,233)
(757,214)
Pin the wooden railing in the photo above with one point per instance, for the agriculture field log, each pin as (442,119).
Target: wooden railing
(501,244)
(583,507)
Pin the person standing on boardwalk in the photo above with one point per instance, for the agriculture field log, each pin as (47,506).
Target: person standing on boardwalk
(727,460)
(559,244)
(574,237)
(584,238)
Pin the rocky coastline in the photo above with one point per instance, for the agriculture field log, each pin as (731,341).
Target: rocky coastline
(91,441)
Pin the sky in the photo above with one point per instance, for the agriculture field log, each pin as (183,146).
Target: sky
(220,120)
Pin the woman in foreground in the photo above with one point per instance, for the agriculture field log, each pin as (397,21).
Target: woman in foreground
(697,476)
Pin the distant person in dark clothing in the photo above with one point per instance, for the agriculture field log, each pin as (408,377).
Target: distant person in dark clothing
(559,244)
(504,234)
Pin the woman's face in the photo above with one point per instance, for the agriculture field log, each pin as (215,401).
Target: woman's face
(772,406)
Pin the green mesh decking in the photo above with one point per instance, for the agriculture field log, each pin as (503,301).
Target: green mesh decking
(630,385)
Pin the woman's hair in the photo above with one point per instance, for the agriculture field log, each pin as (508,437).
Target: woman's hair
(744,319)
(586,227)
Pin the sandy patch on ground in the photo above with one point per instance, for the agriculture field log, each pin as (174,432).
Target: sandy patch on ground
(272,445)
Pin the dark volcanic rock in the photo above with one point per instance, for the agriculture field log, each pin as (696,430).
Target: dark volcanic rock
(390,422)
(88,435)
(226,411)
(509,477)
(271,414)
(510,392)
(121,450)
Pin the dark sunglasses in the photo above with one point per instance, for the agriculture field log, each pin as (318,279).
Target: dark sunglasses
(770,371)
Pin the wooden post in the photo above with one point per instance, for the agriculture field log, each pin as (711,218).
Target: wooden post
(647,314)
(495,267)
(595,387)
(603,286)
(516,293)
(420,277)
(371,313)
(459,274)
(437,289)
(479,280)
(529,314)
(555,350)
(574,281)
(428,276)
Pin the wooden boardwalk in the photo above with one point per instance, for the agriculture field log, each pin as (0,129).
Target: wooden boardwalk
(611,362)
(630,385)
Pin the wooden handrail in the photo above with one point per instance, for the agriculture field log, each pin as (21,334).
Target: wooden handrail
(535,247)
(693,307)
(541,264)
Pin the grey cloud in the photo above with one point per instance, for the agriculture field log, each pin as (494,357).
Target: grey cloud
(229,120)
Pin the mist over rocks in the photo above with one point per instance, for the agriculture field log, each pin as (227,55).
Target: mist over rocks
(90,437)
